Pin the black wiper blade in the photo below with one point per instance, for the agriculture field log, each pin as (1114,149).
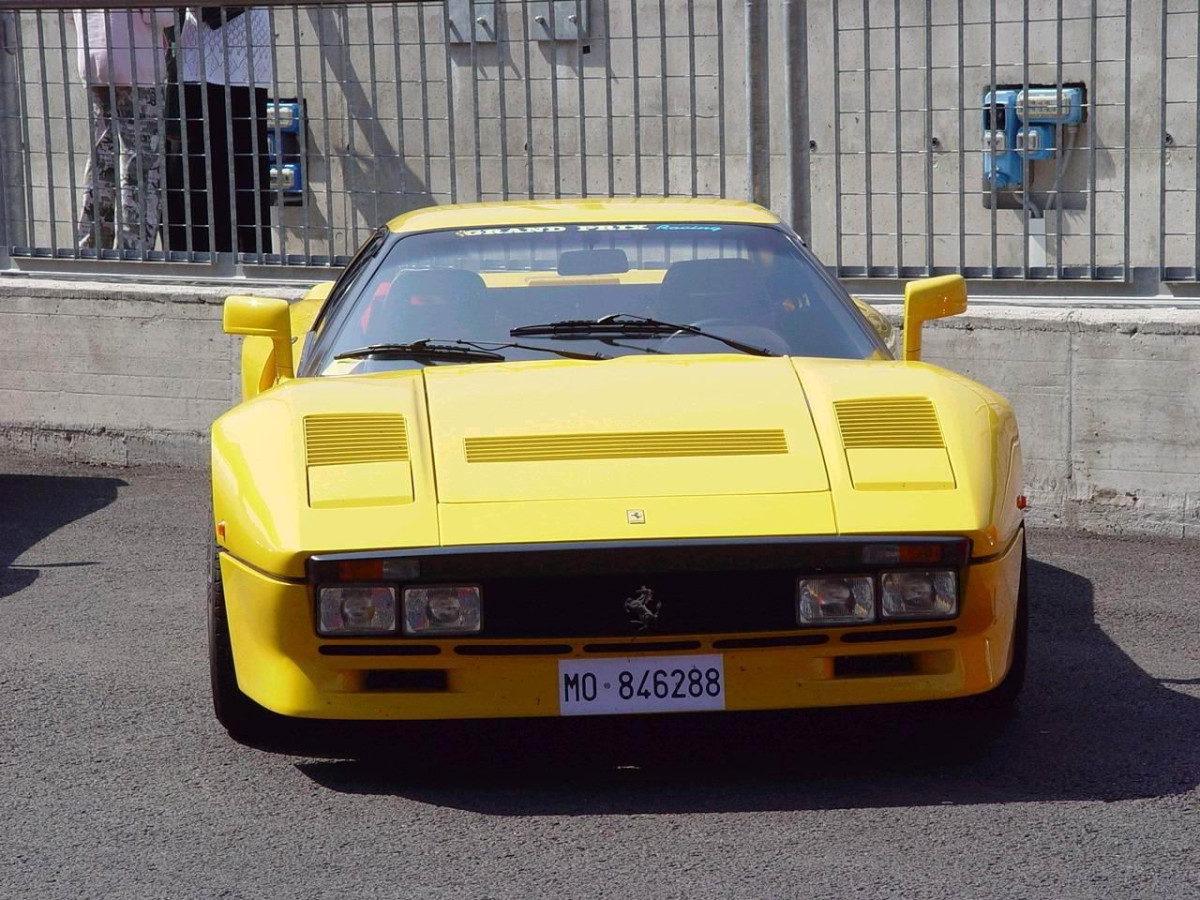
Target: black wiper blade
(496,346)
(628,325)
(425,349)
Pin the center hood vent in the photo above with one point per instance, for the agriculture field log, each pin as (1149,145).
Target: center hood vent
(626,445)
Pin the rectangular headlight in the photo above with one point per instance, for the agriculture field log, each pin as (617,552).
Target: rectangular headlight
(443,609)
(356,609)
(930,594)
(845,600)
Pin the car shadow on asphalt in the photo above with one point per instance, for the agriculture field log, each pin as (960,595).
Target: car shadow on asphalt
(1091,725)
(32,507)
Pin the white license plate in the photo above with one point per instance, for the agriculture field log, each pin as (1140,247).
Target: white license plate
(644,684)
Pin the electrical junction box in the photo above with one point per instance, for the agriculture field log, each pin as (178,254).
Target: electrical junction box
(558,20)
(1021,126)
(286,121)
(471,21)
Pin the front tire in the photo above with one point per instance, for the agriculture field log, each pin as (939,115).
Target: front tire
(247,722)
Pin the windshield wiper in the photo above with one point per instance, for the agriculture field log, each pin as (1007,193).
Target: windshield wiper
(627,325)
(496,346)
(425,349)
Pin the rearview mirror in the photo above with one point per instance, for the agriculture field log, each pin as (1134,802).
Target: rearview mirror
(268,317)
(926,299)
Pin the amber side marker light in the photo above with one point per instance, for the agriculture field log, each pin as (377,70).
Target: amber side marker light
(360,570)
(903,554)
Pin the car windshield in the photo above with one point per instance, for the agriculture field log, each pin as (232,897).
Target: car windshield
(529,292)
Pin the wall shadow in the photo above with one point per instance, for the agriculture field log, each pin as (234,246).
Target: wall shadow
(35,506)
(1091,725)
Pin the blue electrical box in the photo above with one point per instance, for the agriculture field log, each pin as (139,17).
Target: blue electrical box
(284,116)
(285,127)
(287,177)
(1022,125)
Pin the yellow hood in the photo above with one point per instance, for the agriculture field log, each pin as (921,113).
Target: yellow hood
(638,447)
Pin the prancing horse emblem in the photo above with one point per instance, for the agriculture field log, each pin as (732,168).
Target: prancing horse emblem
(643,608)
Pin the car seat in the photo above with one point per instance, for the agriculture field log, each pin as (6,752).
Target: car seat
(423,303)
(697,289)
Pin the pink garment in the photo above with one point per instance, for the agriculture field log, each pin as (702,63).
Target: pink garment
(121,44)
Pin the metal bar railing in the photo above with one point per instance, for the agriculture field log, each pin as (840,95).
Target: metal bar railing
(930,228)
(1162,145)
(899,138)
(1094,125)
(868,149)
(837,142)
(528,98)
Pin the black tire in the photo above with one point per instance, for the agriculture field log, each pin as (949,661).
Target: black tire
(247,722)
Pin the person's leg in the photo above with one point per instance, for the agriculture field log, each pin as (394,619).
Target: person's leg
(265,195)
(99,177)
(141,166)
(175,236)
(245,163)
(219,167)
(198,174)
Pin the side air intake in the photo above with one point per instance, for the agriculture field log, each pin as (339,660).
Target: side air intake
(894,444)
(901,423)
(339,440)
(357,460)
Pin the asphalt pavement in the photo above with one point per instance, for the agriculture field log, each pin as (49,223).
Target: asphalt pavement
(116,781)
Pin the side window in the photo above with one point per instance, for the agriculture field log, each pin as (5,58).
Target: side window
(347,283)
(350,274)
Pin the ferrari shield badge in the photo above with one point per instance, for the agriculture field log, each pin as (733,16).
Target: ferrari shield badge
(643,608)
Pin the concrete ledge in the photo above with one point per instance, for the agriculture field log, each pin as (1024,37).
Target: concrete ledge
(1108,399)
(100,446)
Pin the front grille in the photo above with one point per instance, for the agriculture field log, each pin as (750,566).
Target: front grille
(742,589)
(594,607)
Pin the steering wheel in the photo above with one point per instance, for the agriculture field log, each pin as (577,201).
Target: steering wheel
(765,337)
(703,325)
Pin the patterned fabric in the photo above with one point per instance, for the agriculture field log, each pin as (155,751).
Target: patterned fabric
(137,128)
(251,30)
(123,46)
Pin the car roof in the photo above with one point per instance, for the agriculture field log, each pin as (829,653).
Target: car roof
(607,210)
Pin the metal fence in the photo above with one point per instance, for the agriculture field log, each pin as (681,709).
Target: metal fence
(859,121)
(910,96)
(408,104)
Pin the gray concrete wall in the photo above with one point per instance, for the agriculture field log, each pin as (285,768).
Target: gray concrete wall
(1107,400)
(121,376)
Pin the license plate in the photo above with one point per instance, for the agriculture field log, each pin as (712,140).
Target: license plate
(644,684)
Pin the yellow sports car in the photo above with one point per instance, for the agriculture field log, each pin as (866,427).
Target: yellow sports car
(604,458)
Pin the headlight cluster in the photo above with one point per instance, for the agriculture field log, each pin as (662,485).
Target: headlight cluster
(860,599)
(361,609)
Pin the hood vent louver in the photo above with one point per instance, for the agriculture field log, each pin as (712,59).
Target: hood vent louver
(338,440)
(891,423)
(632,445)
